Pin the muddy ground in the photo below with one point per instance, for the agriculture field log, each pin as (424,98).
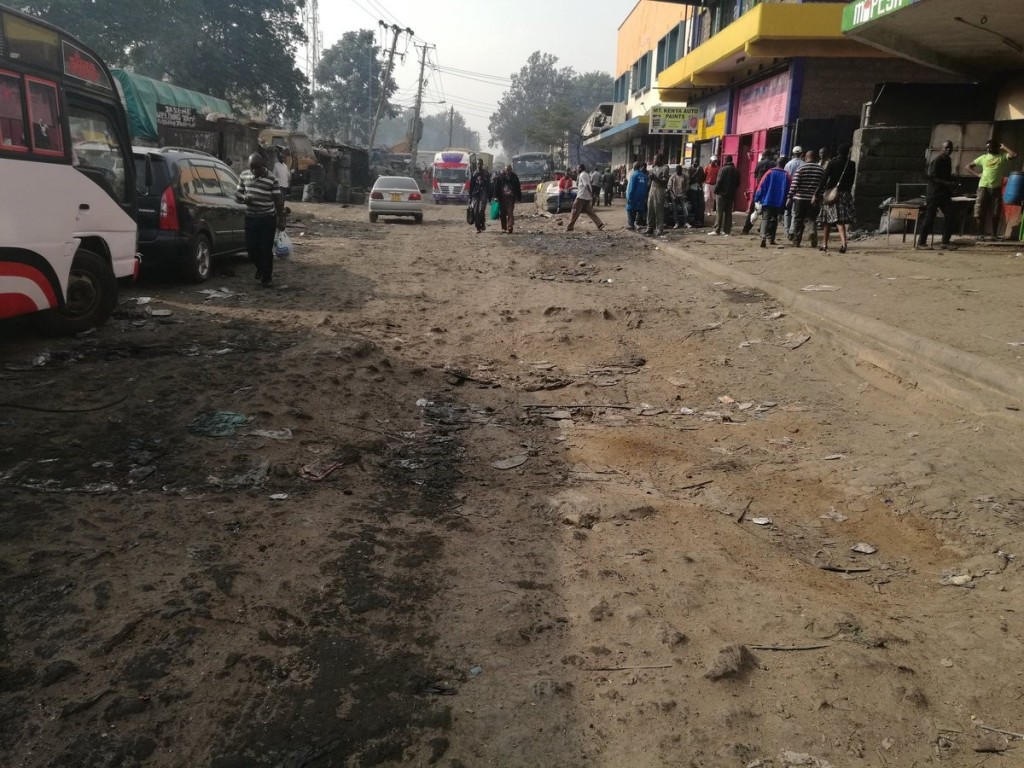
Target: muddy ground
(528,500)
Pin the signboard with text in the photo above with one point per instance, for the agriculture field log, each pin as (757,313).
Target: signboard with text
(176,117)
(673,120)
(862,11)
(763,105)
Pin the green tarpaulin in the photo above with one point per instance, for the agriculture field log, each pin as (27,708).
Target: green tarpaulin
(142,95)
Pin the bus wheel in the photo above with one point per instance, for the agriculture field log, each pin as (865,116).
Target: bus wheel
(200,260)
(91,297)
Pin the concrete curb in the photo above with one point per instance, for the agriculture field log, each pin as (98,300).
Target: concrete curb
(953,374)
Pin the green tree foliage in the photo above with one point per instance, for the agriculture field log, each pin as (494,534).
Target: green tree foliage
(347,88)
(546,105)
(240,50)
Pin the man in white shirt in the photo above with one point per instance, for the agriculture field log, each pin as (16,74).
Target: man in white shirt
(282,174)
(584,200)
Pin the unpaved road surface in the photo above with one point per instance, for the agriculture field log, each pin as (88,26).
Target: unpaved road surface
(528,500)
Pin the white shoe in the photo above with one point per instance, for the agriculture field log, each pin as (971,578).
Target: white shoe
(726,234)
(675,226)
(713,233)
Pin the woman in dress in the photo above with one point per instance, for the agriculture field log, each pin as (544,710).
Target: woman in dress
(839,213)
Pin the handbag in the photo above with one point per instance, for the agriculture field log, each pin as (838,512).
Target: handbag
(469,214)
(832,193)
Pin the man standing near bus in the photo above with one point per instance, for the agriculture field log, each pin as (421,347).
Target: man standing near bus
(264,215)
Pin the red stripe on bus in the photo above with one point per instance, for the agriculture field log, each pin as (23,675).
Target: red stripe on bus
(16,269)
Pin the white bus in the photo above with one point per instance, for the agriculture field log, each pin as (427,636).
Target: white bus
(67,180)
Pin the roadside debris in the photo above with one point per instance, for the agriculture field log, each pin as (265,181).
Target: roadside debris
(834,516)
(815,288)
(511,462)
(864,548)
(254,478)
(319,470)
(217,423)
(272,434)
(733,661)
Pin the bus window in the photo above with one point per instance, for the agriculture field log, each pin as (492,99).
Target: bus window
(31,44)
(44,115)
(12,116)
(95,150)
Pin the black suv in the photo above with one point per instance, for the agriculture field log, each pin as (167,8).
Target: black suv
(187,209)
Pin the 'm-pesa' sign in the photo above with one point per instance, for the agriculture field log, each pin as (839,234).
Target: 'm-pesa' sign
(863,11)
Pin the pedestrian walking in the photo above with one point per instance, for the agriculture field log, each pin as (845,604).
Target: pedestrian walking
(480,195)
(656,196)
(678,189)
(259,189)
(696,194)
(584,200)
(938,197)
(991,168)
(803,197)
(710,179)
(837,197)
(508,191)
(726,187)
(765,164)
(772,193)
(636,196)
(791,168)
(608,186)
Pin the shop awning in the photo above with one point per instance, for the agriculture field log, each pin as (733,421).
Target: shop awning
(976,39)
(145,98)
(620,134)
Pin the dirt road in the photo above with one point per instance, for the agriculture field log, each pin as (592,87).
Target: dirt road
(529,500)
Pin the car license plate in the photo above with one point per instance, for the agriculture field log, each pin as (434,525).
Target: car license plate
(396,198)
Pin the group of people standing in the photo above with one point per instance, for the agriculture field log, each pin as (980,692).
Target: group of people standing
(650,190)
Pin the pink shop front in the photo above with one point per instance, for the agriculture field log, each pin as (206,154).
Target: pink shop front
(760,115)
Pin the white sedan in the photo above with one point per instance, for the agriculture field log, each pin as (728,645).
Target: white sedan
(396,196)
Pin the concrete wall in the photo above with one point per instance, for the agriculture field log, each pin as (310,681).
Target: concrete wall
(886,156)
(645,25)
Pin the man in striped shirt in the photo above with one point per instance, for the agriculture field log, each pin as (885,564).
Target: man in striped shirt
(264,215)
(803,196)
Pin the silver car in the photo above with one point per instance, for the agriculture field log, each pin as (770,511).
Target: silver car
(396,196)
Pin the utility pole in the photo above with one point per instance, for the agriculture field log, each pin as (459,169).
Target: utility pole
(414,140)
(387,76)
(451,126)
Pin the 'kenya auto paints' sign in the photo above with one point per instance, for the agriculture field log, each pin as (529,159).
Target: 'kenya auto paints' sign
(861,12)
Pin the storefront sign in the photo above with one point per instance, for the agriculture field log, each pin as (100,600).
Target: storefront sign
(763,105)
(863,11)
(176,117)
(673,120)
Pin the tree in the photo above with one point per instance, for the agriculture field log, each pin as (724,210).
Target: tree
(535,90)
(546,105)
(348,86)
(242,51)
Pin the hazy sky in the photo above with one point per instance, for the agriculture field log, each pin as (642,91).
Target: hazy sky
(485,40)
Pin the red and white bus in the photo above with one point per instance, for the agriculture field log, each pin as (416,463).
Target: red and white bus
(67,180)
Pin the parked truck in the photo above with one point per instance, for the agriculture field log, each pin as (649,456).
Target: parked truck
(533,168)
